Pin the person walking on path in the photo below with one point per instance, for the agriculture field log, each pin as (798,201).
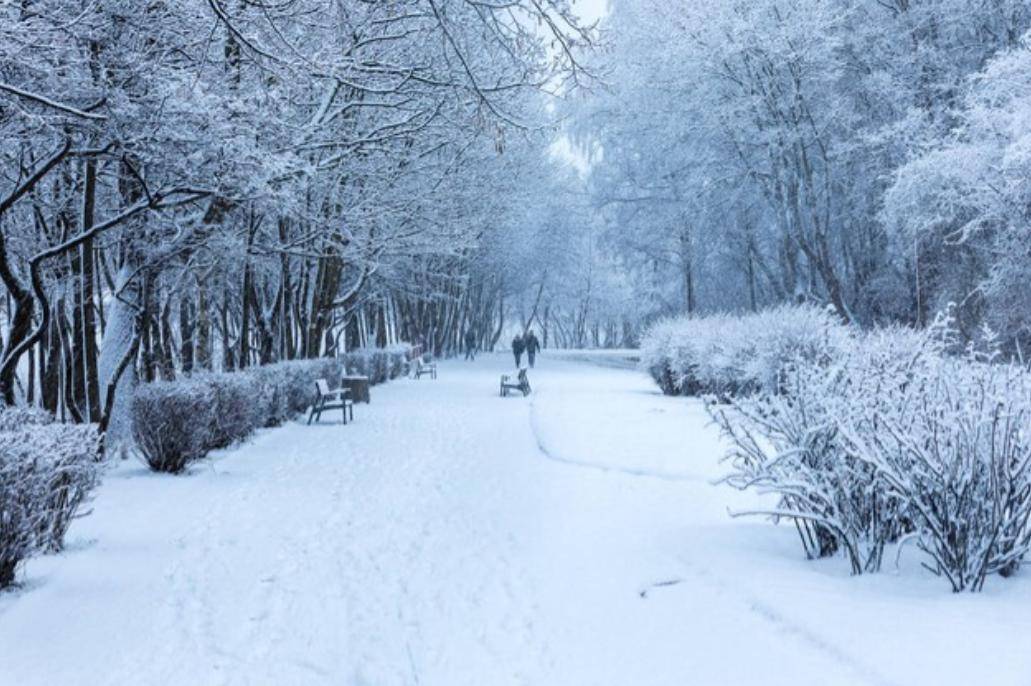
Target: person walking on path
(470,344)
(532,347)
(518,346)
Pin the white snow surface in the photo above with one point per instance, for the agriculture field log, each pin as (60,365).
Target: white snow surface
(451,537)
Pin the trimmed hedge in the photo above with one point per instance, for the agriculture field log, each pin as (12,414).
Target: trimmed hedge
(175,423)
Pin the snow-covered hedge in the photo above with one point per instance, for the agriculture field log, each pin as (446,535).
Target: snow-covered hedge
(238,407)
(177,422)
(47,472)
(896,440)
(285,389)
(379,364)
(172,422)
(730,355)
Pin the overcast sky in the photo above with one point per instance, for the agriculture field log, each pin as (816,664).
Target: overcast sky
(591,10)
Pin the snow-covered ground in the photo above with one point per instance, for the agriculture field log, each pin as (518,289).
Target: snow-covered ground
(452,537)
(623,358)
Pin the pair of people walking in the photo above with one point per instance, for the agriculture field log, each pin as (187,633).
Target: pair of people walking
(527,343)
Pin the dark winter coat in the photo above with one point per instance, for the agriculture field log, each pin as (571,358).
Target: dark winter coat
(518,345)
(470,338)
(532,344)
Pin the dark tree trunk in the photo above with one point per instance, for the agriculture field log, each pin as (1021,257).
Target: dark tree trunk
(228,362)
(186,328)
(85,381)
(203,328)
(50,368)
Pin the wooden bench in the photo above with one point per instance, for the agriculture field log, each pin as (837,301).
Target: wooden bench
(522,384)
(421,369)
(326,399)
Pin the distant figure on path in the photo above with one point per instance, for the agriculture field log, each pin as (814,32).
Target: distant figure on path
(532,346)
(518,346)
(470,344)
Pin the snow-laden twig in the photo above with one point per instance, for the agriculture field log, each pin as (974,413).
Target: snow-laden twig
(49,102)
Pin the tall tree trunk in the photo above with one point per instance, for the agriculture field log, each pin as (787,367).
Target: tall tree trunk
(204,351)
(50,374)
(86,331)
(186,328)
(228,361)
(121,339)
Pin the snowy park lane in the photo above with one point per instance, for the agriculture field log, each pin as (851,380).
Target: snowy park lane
(450,537)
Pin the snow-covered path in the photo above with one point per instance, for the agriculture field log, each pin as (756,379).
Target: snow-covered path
(451,537)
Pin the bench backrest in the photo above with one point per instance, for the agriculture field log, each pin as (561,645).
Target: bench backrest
(323,386)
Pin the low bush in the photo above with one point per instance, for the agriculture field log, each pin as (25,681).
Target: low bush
(789,443)
(728,355)
(379,364)
(172,423)
(17,418)
(175,423)
(47,473)
(21,505)
(657,355)
(367,362)
(237,409)
(286,388)
(896,440)
(397,360)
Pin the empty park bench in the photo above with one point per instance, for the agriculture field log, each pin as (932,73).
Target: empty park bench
(326,399)
(422,368)
(522,384)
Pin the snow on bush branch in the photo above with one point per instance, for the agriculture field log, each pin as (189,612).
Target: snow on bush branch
(175,423)
(47,472)
(902,436)
(727,355)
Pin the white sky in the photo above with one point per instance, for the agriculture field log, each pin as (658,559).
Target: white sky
(591,10)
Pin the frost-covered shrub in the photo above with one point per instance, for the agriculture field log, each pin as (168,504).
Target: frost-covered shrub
(357,363)
(285,389)
(177,422)
(300,377)
(896,440)
(16,418)
(367,362)
(789,443)
(68,455)
(397,360)
(379,364)
(237,410)
(950,444)
(657,355)
(21,503)
(731,355)
(47,472)
(172,423)
(272,400)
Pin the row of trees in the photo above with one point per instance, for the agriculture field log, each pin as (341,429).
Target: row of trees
(867,154)
(213,184)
